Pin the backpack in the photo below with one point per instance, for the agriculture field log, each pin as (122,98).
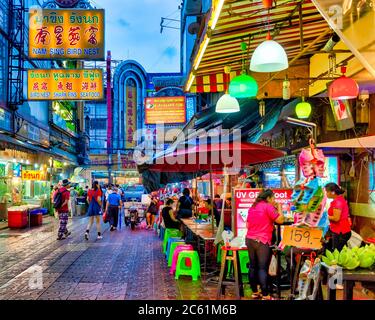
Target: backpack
(58,200)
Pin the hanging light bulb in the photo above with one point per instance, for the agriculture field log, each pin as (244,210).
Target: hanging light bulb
(269,56)
(243,86)
(227,104)
(286,88)
(303,109)
(343,87)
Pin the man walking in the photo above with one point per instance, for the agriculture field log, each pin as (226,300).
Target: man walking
(61,204)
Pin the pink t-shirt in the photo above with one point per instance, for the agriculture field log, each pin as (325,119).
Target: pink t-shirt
(343,225)
(260,222)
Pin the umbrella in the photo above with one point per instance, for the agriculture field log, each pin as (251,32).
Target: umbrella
(215,157)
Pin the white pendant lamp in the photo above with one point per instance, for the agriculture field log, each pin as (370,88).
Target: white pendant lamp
(227,104)
(269,56)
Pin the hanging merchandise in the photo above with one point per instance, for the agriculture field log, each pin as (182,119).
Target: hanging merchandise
(309,197)
(243,86)
(286,88)
(343,88)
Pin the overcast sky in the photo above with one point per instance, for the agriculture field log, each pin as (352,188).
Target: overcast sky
(133,32)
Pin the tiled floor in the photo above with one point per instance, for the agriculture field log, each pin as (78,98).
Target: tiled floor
(124,265)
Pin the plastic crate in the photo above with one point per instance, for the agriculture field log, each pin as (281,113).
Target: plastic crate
(36,219)
(17,219)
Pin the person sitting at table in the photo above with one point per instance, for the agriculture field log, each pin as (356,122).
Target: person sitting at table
(262,215)
(169,218)
(228,203)
(210,205)
(218,202)
(185,205)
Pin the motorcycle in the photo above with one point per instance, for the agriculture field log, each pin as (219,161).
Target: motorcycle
(133,215)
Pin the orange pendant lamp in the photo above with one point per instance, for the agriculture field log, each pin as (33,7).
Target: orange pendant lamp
(343,88)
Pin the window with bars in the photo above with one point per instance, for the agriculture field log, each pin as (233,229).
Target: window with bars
(98,124)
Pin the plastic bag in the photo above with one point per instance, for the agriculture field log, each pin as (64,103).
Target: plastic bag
(272,270)
(355,240)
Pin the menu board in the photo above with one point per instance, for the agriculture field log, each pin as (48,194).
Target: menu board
(245,198)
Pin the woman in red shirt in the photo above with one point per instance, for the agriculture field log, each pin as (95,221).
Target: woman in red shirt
(338,215)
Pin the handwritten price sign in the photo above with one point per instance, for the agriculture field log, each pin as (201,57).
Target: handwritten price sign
(302,237)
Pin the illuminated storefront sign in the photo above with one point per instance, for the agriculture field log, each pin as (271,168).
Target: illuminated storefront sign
(66,34)
(33,175)
(131,115)
(165,110)
(64,84)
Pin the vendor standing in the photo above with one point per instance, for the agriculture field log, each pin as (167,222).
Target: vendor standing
(338,215)
(260,225)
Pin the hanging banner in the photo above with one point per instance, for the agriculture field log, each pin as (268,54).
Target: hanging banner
(34,175)
(66,34)
(245,198)
(65,84)
(131,116)
(165,110)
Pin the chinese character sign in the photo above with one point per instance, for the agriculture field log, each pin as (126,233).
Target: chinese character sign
(66,34)
(65,84)
(131,116)
(165,110)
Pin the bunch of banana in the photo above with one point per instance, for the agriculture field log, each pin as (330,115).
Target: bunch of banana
(351,259)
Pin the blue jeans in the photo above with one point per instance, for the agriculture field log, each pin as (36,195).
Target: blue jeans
(260,258)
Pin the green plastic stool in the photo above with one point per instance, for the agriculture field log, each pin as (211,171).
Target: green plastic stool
(169,233)
(244,260)
(173,246)
(182,270)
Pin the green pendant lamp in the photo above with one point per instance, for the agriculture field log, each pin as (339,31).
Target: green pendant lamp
(243,86)
(303,109)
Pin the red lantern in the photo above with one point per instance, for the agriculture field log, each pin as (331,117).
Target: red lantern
(343,88)
(267,3)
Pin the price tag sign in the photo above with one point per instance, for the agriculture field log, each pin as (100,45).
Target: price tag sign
(302,237)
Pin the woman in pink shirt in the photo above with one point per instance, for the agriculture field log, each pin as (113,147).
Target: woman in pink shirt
(260,224)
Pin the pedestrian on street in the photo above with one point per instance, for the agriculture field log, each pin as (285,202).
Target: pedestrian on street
(73,201)
(95,202)
(114,203)
(61,201)
(152,211)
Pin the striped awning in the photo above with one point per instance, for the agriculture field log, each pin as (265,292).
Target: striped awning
(248,21)
(214,82)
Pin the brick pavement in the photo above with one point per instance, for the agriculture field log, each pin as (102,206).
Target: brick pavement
(124,265)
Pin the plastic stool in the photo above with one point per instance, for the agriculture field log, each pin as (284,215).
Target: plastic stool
(169,233)
(176,252)
(183,270)
(171,240)
(244,260)
(172,249)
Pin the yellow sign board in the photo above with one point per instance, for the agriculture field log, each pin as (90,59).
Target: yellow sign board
(34,175)
(302,237)
(66,34)
(64,84)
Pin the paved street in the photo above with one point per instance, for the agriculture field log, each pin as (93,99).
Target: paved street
(124,265)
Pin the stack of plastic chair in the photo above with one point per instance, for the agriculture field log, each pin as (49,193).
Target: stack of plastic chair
(178,249)
(171,250)
(170,241)
(182,269)
(170,233)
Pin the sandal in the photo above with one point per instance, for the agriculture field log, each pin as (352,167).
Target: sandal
(256,295)
(268,297)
